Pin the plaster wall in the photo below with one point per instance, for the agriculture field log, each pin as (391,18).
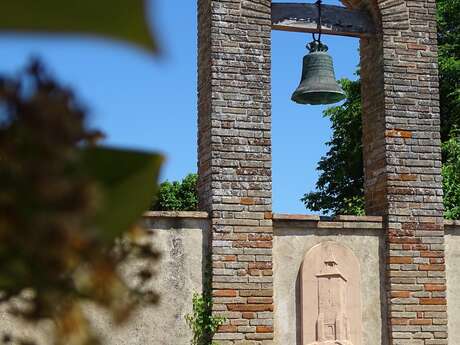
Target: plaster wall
(295,237)
(453,279)
(179,237)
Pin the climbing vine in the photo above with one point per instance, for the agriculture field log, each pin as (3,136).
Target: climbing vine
(201,321)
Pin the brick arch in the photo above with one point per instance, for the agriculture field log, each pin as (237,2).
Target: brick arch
(402,160)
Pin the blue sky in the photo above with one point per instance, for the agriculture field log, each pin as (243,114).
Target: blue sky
(150,103)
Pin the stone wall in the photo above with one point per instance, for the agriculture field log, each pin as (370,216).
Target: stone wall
(453,279)
(293,236)
(181,239)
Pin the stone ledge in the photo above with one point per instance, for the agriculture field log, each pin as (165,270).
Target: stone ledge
(340,222)
(452,224)
(359,218)
(283,216)
(176,214)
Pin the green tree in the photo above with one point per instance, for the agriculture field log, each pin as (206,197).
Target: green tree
(449,64)
(339,188)
(340,185)
(177,195)
(451,175)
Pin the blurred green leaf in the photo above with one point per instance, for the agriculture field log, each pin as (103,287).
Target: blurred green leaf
(128,179)
(118,19)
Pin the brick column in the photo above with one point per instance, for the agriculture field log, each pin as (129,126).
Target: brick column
(402,159)
(234,163)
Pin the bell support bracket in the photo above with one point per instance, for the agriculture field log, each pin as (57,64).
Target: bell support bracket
(335,20)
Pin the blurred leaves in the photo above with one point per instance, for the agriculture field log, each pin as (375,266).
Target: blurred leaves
(118,19)
(63,202)
(126,178)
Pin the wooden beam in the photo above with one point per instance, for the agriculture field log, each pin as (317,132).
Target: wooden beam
(335,20)
(347,4)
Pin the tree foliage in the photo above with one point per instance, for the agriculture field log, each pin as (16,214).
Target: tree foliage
(449,64)
(340,185)
(451,175)
(339,189)
(177,195)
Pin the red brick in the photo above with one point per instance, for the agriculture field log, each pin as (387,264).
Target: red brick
(227,329)
(257,300)
(264,329)
(435,287)
(247,315)
(432,301)
(420,322)
(260,265)
(408,177)
(260,237)
(398,321)
(229,258)
(253,244)
(250,307)
(224,293)
(247,201)
(432,267)
(400,294)
(416,46)
(398,133)
(400,260)
(431,254)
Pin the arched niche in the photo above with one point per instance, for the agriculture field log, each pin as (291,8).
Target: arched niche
(330,284)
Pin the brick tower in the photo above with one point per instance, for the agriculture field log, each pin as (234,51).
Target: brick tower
(235,162)
(402,160)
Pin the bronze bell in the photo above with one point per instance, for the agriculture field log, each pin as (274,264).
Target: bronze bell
(318,84)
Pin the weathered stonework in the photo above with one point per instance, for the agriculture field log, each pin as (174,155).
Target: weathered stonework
(402,162)
(296,235)
(234,163)
(180,238)
(402,159)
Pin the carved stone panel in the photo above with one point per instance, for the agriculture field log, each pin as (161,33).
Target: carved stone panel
(331,296)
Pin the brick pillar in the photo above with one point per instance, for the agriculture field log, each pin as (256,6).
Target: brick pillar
(402,159)
(234,163)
